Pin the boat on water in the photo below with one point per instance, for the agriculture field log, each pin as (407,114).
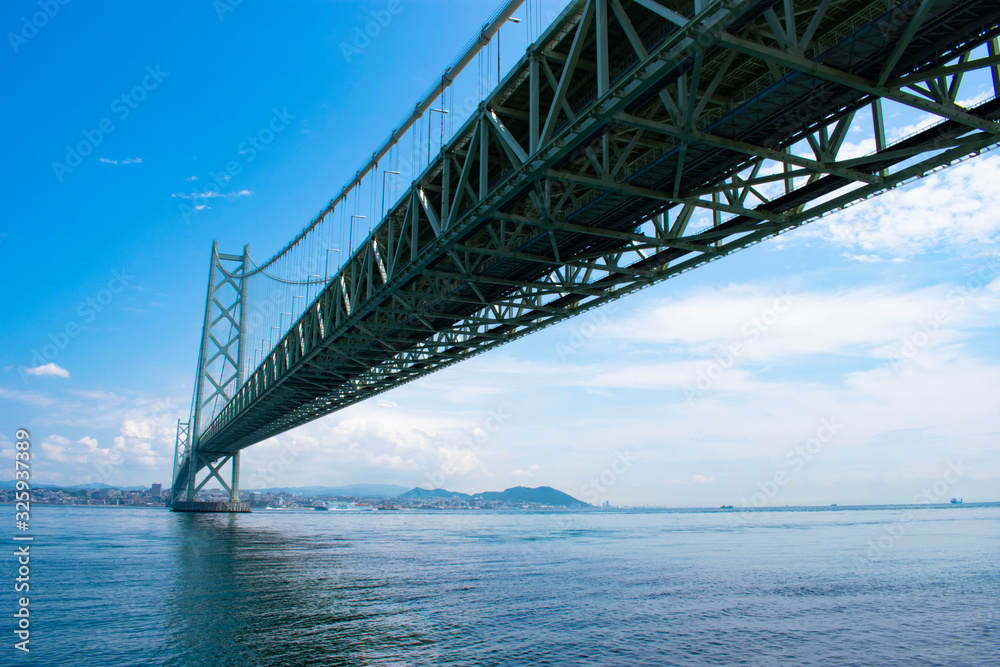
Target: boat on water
(320,505)
(727,507)
(956,501)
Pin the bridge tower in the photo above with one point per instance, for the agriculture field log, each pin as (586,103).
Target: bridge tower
(221,371)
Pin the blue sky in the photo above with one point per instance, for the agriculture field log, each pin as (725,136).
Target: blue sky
(880,320)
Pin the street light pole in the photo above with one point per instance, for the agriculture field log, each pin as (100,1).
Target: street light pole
(326,270)
(384,174)
(442,112)
(512,20)
(309,283)
(350,239)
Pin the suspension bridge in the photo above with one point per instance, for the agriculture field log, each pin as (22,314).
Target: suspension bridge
(634,140)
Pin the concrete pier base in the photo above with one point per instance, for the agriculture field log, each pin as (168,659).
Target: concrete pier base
(199,506)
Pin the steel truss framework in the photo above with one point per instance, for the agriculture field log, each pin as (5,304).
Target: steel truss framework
(220,361)
(635,141)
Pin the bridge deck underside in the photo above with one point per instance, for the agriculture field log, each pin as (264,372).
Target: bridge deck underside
(570,189)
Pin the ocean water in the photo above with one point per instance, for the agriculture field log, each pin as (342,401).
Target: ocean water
(841,586)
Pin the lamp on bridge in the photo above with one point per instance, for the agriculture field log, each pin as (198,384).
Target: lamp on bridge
(384,174)
(350,238)
(309,283)
(326,270)
(443,112)
(512,20)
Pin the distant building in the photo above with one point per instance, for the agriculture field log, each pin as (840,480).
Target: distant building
(155,492)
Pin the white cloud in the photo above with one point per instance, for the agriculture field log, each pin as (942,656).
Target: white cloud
(191,178)
(59,449)
(133,160)
(140,430)
(456,460)
(29,397)
(373,441)
(139,450)
(98,395)
(136,429)
(922,216)
(867,259)
(51,369)
(771,325)
(54,452)
(212,194)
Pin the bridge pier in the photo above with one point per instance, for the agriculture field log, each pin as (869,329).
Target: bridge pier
(214,466)
(208,507)
(234,485)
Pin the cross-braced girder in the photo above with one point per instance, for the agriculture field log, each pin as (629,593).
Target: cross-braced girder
(636,140)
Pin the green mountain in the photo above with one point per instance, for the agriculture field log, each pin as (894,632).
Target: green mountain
(351,490)
(424,494)
(543,495)
(93,486)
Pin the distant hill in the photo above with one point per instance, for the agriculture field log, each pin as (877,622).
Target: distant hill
(543,495)
(353,490)
(75,487)
(424,494)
